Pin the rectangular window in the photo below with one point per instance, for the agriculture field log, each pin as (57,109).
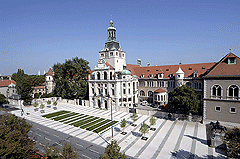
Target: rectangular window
(124,91)
(113,92)
(123,84)
(112,85)
(106,91)
(111,53)
(128,84)
(129,99)
(233,110)
(128,91)
(218,108)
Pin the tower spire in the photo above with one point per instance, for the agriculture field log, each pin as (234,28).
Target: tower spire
(111,32)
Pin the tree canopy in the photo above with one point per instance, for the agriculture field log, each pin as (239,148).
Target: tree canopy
(112,151)
(24,84)
(14,141)
(71,78)
(184,98)
(232,140)
(3,99)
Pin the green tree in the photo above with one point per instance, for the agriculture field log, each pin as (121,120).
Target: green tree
(14,141)
(71,78)
(232,140)
(123,124)
(68,152)
(49,102)
(152,121)
(52,152)
(35,104)
(112,151)
(3,99)
(23,85)
(134,117)
(55,103)
(184,98)
(144,129)
(42,106)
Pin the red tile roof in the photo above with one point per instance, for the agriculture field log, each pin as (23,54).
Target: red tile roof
(50,72)
(169,69)
(39,87)
(159,90)
(5,83)
(223,69)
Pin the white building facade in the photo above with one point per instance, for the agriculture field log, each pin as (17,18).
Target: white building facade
(111,84)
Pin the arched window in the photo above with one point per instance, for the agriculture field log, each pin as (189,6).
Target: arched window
(216,91)
(105,75)
(233,91)
(158,98)
(98,75)
(142,93)
(150,94)
(188,84)
(110,75)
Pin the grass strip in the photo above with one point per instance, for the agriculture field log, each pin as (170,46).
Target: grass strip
(97,125)
(55,114)
(79,122)
(74,116)
(63,116)
(80,117)
(86,121)
(105,126)
(92,123)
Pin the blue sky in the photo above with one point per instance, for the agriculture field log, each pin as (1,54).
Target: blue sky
(36,34)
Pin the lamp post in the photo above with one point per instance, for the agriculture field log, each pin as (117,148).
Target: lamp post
(111,113)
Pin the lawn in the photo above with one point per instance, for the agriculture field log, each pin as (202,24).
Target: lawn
(90,123)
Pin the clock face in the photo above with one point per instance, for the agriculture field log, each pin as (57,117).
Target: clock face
(100,61)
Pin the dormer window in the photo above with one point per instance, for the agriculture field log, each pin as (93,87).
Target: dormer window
(160,75)
(111,53)
(150,76)
(142,76)
(102,55)
(232,60)
(122,55)
(195,73)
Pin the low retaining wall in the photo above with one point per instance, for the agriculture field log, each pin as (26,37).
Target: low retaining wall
(167,115)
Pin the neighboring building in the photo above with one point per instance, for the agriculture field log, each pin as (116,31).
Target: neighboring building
(8,88)
(222,90)
(47,86)
(155,82)
(49,81)
(111,76)
(40,89)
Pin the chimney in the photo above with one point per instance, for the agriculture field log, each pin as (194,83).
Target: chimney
(44,72)
(2,78)
(139,62)
(39,72)
(148,64)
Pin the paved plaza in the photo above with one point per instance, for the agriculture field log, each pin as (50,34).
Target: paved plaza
(172,139)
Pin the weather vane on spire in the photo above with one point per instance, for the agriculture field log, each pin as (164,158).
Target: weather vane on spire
(230,50)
